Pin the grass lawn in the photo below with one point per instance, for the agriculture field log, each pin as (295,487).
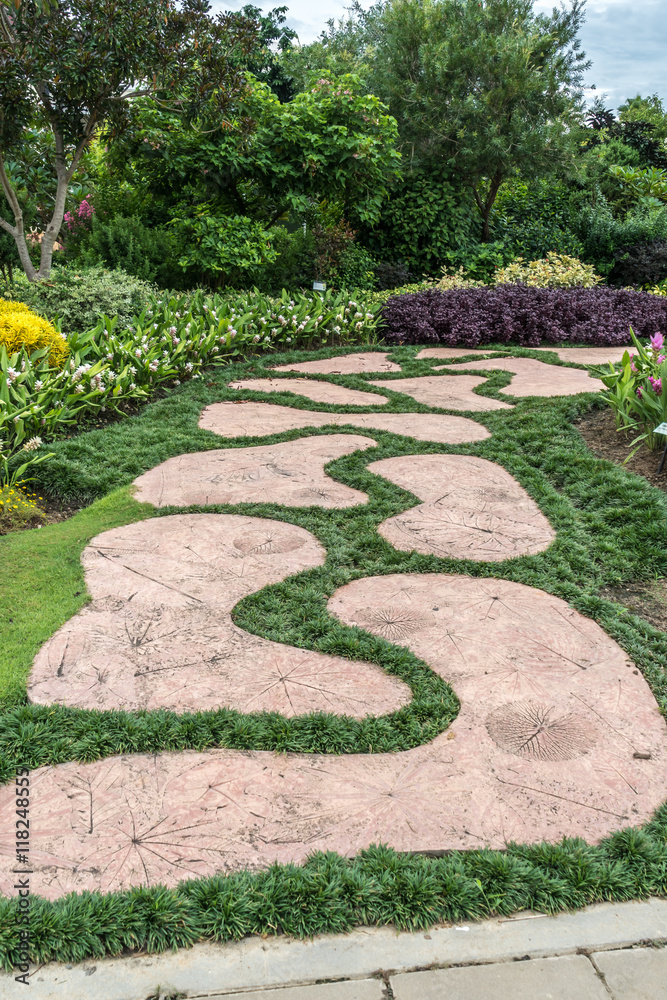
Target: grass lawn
(610,531)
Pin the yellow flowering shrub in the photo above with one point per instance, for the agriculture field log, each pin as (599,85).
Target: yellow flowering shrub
(21,327)
(456,279)
(555,271)
(19,509)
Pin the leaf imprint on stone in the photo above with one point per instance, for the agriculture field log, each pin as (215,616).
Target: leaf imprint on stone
(541,732)
(395,622)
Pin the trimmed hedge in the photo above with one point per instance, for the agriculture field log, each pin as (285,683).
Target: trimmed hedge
(522,315)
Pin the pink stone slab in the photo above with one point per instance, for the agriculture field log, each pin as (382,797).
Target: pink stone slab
(558,736)
(250,419)
(291,473)
(589,355)
(459,352)
(159,632)
(450,393)
(344,364)
(474,509)
(321,392)
(536,378)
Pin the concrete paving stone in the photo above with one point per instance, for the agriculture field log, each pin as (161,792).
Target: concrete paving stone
(249,418)
(159,632)
(366,989)
(290,473)
(446,392)
(535,378)
(473,509)
(635,974)
(589,355)
(571,977)
(320,392)
(344,364)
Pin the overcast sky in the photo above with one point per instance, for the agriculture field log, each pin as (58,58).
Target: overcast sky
(626,40)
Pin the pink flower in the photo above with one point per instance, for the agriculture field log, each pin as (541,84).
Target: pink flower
(661,358)
(656,384)
(657,341)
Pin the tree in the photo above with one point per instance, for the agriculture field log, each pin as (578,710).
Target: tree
(71,67)
(333,141)
(487,88)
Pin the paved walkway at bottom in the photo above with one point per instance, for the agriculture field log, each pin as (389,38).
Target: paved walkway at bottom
(606,952)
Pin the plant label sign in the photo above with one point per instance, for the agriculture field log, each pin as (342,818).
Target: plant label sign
(661,429)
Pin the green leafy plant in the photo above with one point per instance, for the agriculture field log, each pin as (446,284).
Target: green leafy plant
(637,391)
(555,271)
(225,250)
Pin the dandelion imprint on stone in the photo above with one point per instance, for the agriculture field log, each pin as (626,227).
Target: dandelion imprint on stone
(543,732)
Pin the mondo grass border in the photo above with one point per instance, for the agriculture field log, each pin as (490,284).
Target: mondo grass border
(610,529)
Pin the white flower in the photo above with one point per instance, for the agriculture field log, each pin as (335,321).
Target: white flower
(255,338)
(137,353)
(78,388)
(177,381)
(38,384)
(133,369)
(154,365)
(132,385)
(189,366)
(109,357)
(172,330)
(336,329)
(33,444)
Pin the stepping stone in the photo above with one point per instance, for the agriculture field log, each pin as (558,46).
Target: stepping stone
(558,736)
(589,355)
(344,364)
(460,352)
(447,393)
(291,473)
(321,392)
(536,378)
(250,419)
(159,632)
(474,509)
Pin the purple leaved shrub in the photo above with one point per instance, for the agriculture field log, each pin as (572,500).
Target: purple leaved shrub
(519,314)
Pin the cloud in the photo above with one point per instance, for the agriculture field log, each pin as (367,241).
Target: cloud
(625,39)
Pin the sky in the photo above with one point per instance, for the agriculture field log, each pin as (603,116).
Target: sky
(625,39)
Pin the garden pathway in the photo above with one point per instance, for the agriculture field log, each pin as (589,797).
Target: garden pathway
(558,733)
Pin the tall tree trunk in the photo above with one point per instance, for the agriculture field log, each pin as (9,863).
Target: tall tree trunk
(50,234)
(487,204)
(17,230)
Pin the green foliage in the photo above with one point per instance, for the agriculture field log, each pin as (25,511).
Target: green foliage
(479,261)
(332,142)
(531,219)
(489,90)
(646,109)
(553,271)
(77,298)
(637,390)
(127,244)
(604,237)
(66,74)
(356,269)
(228,249)
(427,215)
(641,187)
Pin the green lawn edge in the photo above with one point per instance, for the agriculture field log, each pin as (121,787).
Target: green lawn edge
(610,529)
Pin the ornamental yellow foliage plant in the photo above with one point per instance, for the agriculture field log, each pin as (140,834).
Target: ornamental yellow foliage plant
(555,271)
(456,279)
(21,327)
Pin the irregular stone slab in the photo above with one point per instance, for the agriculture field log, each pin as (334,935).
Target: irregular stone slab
(589,355)
(291,473)
(529,671)
(250,419)
(344,364)
(321,392)
(159,632)
(460,352)
(635,973)
(447,393)
(568,977)
(474,509)
(536,378)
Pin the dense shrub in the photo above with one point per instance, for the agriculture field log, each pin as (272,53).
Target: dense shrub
(389,275)
(603,237)
(20,328)
(521,315)
(531,220)
(77,298)
(128,245)
(555,271)
(642,264)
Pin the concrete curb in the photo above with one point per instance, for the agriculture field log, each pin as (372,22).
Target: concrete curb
(260,963)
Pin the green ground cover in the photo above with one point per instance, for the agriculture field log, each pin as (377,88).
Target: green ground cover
(610,529)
